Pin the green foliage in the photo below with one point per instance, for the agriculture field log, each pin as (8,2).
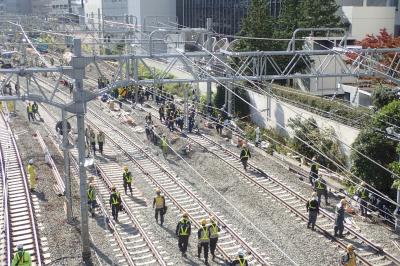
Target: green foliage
(219,98)
(257,23)
(309,135)
(241,107)
(354,117)
(382,96)
(374,142)
(318,14)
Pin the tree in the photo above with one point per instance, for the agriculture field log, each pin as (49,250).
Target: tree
(383,96)
(258,24)
(375,143)
(319,13)
(219,98)
(309,138)
(382,40)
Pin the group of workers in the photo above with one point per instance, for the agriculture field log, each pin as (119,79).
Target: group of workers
(91,138)
(32,111)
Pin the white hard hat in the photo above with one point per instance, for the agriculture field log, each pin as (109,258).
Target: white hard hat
(240,253)
(20,247)
(31,161)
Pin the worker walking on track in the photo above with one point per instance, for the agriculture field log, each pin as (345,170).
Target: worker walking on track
(100,140)
(244,156)
(29,110)
(349,259)
(313,171)
(214,234)
(339,220)
(313,210)
(127,179)
(32,175)
(21,257)
(164,145)
(322,189)
(362,194)
(203,235)
(92,138)
(115,202)
(240,260)
(91,199)
(35,110)
(159,203)
(183,230)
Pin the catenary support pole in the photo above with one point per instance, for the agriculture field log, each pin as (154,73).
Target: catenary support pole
(136,77)
(186,106)
(209,48)
(67,177)
(79,68)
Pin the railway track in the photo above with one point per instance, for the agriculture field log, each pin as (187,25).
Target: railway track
(135,244)
(20,226)
(179,194)
(370,253)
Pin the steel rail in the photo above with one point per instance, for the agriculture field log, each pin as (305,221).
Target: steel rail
(377,248)
(6,218)
(60,182)
(107,182)
(171,176)
(33,225)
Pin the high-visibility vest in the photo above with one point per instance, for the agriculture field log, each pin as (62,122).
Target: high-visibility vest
(184,231)
(115,198)
(91,193)
(127,177)
(320,185)
(310,206)
(100,137)
(159,202)
(204,235)
(31,171)
(363,194)
(30,108)
(164,143)
(246,153)
(92,137)
(242,262)
(214,231)
(21,258)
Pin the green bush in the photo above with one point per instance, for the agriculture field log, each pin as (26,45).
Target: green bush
(334,110)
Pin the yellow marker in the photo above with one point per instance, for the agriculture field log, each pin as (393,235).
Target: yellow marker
(10,106)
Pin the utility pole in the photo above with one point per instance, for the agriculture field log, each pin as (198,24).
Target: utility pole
(186,106)
(209,48)
(67,177)
(79,103)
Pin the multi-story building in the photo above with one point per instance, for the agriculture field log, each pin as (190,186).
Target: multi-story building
(41,7)
(227,15)
(62,7)
(369,16)
(15,6)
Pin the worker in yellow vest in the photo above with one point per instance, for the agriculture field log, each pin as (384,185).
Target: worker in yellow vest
(214,233)
(29,110)
(159,203)
(32,175)
(244,156)
(21,257)
(183,231)
(204,240)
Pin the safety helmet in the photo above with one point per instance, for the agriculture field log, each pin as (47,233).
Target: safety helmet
(126,168)
(31,161)
(314,194)
(363,184)
(185,215)
(20,247)
(350,247)
(244,145)
(203,222)
(213,219)
(240,253)
(158,191)
(113,188)
(90,184)
(343,201)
